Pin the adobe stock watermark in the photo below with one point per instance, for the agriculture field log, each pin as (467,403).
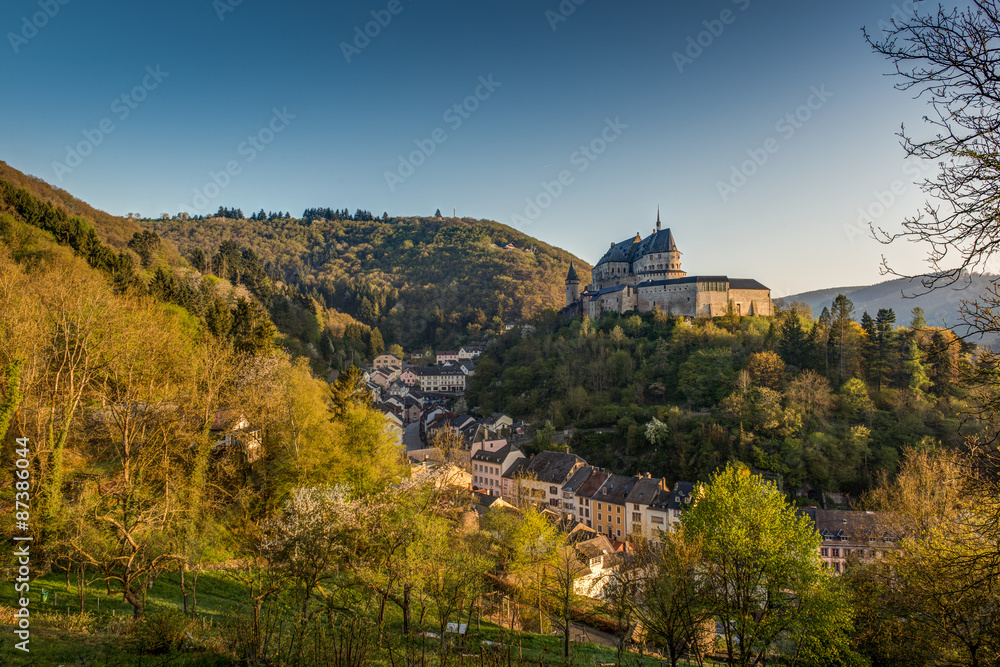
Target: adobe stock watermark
(565,9)
(248,149)
(883,200)
(121,108)
(454,116)
(696,44)
(900,12)
(786,127)
(30,25)
(584,156)
(381,18)
(223,7)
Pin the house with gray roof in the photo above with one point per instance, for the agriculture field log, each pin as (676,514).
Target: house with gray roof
(637,503)
(546,474)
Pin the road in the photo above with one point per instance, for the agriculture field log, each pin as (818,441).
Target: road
(411,437)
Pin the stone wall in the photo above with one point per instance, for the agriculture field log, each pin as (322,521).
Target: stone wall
(673,299)
(760,300)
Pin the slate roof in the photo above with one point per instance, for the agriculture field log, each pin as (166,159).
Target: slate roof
(595,546)
(680,495)
(844,525)
(592,484)
(745,283)
(616,489)
(606,290)
(578,479)
(553,467)
(572,276)
(435,370)
(516,468)
(636,247)
(662,500)
(494,457)
(644,491)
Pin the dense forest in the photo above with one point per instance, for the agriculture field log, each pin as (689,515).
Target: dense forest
(825,403)
(420,281)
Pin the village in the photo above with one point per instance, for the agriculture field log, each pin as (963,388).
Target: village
(601,511)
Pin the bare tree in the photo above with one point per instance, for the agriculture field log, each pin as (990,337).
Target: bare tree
(949,58)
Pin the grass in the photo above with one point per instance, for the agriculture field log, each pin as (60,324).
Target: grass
(97,639)
(218,596)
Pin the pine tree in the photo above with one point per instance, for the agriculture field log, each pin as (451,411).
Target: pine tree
(376,345)
(842,316)
(198,260)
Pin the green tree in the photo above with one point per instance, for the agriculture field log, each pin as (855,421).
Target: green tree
(793,342)
(854,399)
(252,332)
(912,368)
(376,346)
(841,319)
(762,577)
(348,390)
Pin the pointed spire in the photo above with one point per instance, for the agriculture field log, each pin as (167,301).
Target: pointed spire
(572,276)
(657,217)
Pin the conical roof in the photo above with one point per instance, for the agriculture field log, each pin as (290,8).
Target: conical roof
(571,277)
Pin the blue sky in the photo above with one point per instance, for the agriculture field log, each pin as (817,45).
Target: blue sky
(762,130)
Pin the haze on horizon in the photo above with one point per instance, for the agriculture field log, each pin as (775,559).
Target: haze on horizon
(761,130)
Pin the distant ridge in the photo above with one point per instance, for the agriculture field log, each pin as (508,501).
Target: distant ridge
(941,306)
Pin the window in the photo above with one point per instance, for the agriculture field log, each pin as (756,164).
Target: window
(619,520)
(636,517)
(656,520)
(598,516)
(635,507)
(619,533)
(598,505)
(618,509)
(553,490)
(836,553)
(824,552)
(836,567)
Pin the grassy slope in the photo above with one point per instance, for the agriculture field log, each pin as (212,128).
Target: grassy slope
(61,641)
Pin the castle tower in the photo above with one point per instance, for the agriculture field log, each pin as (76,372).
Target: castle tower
(572,286)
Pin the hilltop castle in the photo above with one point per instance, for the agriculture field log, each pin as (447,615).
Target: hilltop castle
(639,274)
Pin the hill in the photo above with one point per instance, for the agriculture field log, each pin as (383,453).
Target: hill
(326,277)
(941,306)
(111,229)
(419,280)
(825,405)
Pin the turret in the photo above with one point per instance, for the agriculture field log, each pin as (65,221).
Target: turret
(572,286)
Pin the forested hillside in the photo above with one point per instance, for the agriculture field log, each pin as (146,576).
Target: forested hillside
(113,230)
(421,281)
(827,404)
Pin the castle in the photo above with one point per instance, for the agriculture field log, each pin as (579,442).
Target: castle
(640,274)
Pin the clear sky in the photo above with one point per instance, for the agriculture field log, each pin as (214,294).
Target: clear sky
(143,106)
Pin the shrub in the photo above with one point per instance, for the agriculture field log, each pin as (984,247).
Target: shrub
(161,632)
